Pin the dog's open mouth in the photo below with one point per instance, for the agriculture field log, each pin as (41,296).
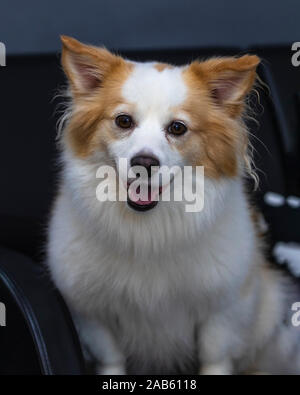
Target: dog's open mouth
(143,201)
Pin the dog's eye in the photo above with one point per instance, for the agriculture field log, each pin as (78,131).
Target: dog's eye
(177,128)
(124,121)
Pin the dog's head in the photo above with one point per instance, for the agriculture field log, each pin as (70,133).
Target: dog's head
(155,114)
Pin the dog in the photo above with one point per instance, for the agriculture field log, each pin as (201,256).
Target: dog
(152,287)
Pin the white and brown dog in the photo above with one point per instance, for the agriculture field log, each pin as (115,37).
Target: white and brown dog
(154,288)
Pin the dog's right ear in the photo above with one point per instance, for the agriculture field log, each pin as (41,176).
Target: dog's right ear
(85,65)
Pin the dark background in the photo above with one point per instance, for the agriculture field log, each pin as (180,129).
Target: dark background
(34,26)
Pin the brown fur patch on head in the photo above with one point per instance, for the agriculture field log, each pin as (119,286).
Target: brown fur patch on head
(96,77)
(215,103)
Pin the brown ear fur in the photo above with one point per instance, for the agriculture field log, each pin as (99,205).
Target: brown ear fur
(216,99)
(228,80)
(85,65)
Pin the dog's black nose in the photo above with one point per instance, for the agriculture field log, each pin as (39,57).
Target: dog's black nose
(146,161)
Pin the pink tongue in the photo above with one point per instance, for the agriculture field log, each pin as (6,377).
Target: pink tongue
(142,202)
(136,198)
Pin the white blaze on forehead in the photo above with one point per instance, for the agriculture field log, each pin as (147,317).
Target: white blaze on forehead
(154,95)
(154,91)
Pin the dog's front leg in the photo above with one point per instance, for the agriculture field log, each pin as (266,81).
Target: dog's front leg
(100,343)
(216,339)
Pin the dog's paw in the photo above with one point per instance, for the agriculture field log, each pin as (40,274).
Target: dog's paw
(112,370)
(218,369)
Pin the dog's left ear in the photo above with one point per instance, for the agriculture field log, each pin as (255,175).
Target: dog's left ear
(85,66)
(229,80)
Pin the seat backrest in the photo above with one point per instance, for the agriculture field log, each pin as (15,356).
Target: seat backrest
(283,79)
(27,148)
(279,130)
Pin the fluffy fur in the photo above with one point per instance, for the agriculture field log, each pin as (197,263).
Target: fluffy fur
(166,291)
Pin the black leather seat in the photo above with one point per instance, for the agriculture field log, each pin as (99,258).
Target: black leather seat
(279,132)
(38,336)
